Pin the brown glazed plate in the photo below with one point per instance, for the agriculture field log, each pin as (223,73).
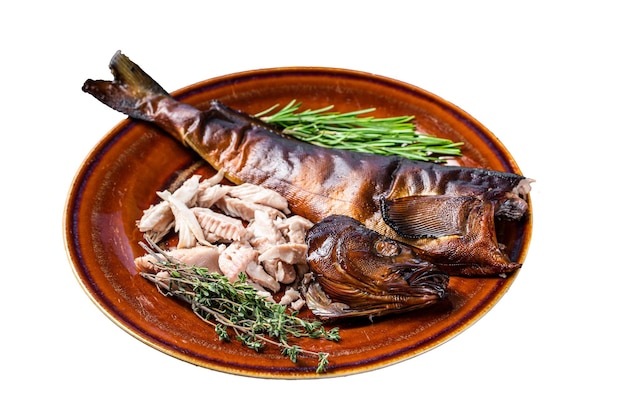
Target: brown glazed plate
(119,179)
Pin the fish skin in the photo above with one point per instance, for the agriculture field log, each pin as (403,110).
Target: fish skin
(377,191)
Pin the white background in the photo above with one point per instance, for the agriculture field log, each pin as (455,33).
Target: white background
(547,77)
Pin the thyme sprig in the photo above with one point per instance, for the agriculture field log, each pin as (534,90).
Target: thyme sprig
(237,309)
(353,131)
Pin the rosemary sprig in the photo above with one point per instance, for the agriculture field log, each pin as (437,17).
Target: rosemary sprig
(236,308)
(353,131)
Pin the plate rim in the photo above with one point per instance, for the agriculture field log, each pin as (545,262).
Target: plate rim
(209,83)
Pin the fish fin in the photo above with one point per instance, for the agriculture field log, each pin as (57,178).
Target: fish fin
(126,93)
(429,216)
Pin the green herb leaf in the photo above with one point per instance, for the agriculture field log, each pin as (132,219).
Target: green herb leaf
(236,308)
(353,131)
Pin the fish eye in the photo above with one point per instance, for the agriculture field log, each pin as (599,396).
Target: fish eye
(386,247)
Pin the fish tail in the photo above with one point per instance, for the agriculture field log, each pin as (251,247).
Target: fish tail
(130,90)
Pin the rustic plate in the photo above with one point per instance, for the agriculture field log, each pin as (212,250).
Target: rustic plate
(120,176)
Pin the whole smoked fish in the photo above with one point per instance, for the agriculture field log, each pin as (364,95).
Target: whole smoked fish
(446,213)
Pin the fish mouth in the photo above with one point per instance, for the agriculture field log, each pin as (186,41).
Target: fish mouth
(428,283)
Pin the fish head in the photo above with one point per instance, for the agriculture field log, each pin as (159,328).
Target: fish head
(458,233)
(388,263)
(371,273)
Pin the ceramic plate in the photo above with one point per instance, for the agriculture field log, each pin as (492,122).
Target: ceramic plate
(120,176)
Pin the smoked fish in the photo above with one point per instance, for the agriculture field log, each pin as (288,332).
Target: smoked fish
(447,213)
(362,273)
